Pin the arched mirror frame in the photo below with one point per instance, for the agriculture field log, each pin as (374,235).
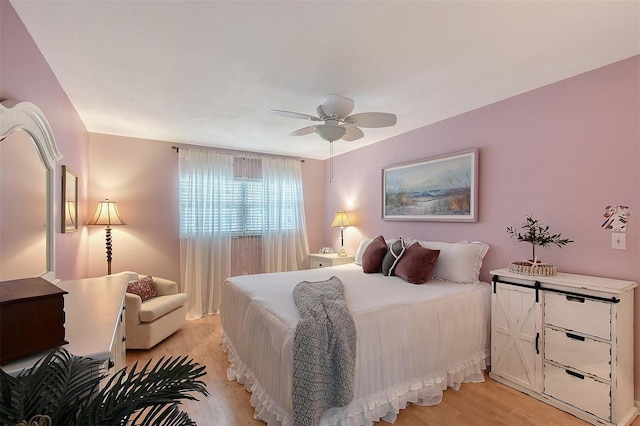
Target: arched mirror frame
(14,116)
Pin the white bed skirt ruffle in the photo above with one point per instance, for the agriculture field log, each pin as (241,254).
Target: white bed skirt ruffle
(384,405)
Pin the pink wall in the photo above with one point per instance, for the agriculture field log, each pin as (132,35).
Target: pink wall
(26,76)
(562,153)
(142,177)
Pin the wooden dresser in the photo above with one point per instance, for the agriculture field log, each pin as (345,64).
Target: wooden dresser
(31,307)
(94,322)
(566,340)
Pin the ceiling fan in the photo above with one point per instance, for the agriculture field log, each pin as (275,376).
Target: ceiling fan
(338,124)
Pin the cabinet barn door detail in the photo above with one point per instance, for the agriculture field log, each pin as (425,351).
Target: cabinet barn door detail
(515,335)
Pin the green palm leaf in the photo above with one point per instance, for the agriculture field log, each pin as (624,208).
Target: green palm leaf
(67,389)
(57,384)
(167,381)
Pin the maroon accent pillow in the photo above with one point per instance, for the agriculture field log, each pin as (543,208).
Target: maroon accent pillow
(373,255)
(144,287)
(416,264)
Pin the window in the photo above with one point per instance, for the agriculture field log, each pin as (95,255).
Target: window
(225,196)
(239,206)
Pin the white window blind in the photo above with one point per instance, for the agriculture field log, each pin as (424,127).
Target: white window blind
(239,206)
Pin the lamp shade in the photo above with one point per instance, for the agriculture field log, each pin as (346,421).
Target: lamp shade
(340,219)
(106,214)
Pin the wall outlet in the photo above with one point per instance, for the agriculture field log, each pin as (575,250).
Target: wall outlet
(618,240)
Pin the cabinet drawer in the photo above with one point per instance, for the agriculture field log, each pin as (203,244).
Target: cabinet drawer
(314,263)
(579,352)
(580,391)
(578,314)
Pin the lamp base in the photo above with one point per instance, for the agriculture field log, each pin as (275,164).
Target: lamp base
(342,253)
(108,244)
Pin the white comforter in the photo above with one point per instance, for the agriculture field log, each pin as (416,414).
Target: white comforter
(413,340)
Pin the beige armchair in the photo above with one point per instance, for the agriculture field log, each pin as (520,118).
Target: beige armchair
(148,323)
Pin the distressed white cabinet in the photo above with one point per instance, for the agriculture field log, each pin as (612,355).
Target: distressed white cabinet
(566,340)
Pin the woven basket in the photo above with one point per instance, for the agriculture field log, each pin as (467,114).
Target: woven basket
(526,268)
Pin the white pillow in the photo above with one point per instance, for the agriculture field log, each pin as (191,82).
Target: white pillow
(361,248)
(458,262)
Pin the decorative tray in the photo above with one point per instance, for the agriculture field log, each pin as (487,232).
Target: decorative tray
(526,268)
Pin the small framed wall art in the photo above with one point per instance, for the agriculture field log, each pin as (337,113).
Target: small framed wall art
(69,200)
(443,188)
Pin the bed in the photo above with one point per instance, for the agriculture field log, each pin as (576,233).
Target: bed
(413,341)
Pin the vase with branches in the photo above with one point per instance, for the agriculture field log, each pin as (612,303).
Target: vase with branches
(538,234)
(63,389)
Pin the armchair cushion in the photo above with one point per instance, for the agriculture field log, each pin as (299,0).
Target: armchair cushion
(156,307)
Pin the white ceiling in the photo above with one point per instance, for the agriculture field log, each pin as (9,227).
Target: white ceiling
(208,72)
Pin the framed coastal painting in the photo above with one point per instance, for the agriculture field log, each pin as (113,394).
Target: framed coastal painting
(443,188)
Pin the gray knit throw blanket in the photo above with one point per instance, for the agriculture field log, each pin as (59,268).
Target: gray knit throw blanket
(324,351)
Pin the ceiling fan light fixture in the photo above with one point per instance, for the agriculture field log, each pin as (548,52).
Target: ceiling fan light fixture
(330,133)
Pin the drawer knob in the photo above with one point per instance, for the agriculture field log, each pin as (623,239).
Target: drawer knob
(574,374)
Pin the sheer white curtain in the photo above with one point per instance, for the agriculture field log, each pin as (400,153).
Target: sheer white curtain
(284,237)
(205,243)
(238,215)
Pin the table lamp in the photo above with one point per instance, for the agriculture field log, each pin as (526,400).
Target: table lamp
(341,220)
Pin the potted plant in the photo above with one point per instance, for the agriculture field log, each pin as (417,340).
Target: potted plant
(63,389)
(538,234)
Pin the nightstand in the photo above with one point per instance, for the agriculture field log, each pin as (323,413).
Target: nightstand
(321,260)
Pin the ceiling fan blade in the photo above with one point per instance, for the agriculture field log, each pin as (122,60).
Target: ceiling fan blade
(303,131)
(372,119)
(337,106)
(294,115)
(353,133)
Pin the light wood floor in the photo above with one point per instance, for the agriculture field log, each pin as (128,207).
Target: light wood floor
(489,403)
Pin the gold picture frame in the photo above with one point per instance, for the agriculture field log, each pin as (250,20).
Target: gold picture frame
(69,200)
